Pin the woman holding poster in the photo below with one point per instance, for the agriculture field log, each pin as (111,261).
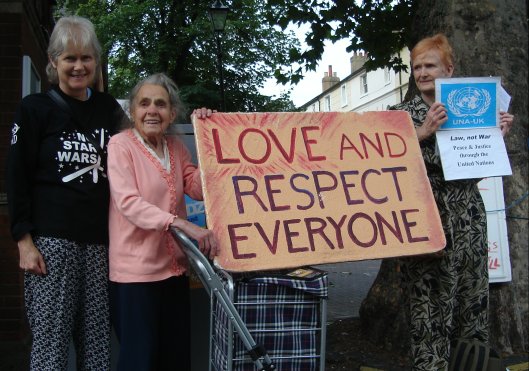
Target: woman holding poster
(149,173)
(448,291)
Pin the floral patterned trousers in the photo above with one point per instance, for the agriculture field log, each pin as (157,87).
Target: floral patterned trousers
(69,303)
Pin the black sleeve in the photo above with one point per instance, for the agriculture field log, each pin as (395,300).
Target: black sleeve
(21,165)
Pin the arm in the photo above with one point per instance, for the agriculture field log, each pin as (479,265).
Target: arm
(190,173)
(126,195)
(21,167)
(193,187)
(207,242)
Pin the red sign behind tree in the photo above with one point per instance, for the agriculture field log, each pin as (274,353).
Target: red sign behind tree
(291,189)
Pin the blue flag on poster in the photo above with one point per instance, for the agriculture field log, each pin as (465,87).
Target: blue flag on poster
(195,211)
(471,102)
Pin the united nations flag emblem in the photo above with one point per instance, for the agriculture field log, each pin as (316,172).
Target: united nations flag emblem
(468,101)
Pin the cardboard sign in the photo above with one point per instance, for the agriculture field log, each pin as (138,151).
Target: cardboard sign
(285,190)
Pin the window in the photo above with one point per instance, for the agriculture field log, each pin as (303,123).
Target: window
(314,107)
(387,75)
(363,84)
(344,94)
(328,103)
(30,78)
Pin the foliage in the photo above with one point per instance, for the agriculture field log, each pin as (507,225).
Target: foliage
(142,37)
(379,27)
(175,37)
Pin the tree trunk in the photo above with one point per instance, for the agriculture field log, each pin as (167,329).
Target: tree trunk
(384,315)
(489,39)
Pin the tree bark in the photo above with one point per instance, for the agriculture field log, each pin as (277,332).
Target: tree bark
(489,39)
(384,312)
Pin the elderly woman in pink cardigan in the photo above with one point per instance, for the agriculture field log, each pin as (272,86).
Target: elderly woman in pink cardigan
(149,173)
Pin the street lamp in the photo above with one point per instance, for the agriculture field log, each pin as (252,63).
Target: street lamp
(217,13)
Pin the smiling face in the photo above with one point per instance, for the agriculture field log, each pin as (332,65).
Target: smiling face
(152,112)
(76,68)
(427,67)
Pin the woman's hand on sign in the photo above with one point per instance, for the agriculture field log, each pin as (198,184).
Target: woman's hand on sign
(436,116)
(203,112)
(506,120)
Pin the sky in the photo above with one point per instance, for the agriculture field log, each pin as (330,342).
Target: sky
(310,85)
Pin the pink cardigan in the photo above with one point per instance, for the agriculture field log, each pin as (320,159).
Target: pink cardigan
(144,200)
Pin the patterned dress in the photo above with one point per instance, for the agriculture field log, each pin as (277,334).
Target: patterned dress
(448,294)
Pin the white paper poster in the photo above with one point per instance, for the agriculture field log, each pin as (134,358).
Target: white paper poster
(491,190)
(473,153)
(470,143)
(472,102)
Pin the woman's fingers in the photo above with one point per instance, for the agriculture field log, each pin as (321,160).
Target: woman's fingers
(506,120)
(203,112)
(208,245)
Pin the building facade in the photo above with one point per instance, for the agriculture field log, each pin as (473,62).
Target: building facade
(361,90)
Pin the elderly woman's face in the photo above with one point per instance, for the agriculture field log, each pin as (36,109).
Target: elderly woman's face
(427,67)
(76,70)
(152,112)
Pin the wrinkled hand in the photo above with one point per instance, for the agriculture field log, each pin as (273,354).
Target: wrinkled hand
(207,243)
(31,259)
(506,120)
(436,116)
(203,112)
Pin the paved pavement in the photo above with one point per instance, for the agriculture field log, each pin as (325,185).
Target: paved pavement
(349,284)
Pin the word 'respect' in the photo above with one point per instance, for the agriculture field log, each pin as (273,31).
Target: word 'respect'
(285,190)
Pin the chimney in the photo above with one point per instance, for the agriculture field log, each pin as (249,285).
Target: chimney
(329,79)
(357,61)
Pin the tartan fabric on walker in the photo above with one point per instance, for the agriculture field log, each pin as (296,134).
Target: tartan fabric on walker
(282,313)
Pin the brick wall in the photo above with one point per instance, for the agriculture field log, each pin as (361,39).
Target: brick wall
(24,29)
(11,290)
(12,317)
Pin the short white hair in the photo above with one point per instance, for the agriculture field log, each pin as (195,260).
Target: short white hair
(71,30)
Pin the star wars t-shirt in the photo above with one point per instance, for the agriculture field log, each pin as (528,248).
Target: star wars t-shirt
(57,183)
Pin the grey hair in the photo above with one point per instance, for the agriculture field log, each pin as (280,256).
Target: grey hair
(70,30)
(159,79)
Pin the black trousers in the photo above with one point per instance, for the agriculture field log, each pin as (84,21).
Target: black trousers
(151,320)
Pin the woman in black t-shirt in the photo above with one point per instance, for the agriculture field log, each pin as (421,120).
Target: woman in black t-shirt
(58,199)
